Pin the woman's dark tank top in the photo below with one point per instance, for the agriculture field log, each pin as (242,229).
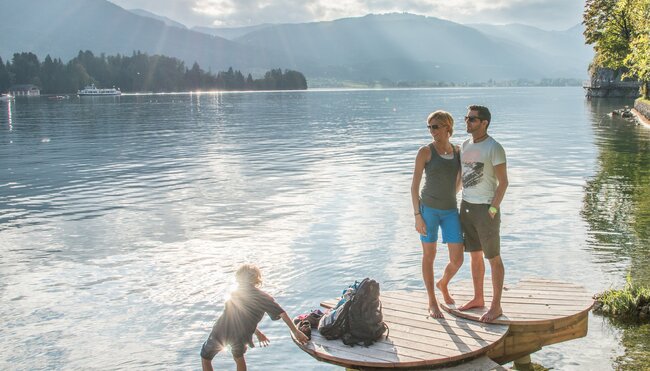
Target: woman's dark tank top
(439,191)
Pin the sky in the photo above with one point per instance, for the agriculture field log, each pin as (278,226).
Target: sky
(545,14)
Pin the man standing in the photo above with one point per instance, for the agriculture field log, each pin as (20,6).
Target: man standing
(485,180)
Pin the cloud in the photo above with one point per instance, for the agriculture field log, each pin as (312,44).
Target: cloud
(555,14)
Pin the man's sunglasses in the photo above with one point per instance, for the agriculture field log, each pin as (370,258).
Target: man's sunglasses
(472,118)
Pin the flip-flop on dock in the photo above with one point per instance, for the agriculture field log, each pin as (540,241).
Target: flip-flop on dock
(537,312)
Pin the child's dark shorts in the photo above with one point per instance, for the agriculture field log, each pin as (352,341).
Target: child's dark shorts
(214,345)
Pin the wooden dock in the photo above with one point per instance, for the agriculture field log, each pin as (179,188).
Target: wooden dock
(537,312)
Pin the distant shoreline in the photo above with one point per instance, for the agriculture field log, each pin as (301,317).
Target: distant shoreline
(318,89)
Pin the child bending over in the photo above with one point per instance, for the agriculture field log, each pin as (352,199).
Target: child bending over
(244,310)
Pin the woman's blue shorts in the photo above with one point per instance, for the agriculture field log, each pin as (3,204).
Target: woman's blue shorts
(447,220)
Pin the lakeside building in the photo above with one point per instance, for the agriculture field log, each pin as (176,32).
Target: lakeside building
(25,90)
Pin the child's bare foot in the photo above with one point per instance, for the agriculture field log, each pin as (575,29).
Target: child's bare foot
(474,303)
(445,293)
(434,311)
(491,314)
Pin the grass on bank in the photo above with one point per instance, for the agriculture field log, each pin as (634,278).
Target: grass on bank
(632,302)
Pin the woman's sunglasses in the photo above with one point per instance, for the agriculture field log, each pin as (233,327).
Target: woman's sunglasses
(434,127)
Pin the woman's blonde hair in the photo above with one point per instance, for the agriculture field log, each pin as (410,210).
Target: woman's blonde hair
(443,118)
(249,274)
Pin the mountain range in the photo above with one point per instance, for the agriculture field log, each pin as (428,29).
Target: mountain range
(394,47)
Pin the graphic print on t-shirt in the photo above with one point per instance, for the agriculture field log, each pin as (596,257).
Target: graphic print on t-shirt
(472,173)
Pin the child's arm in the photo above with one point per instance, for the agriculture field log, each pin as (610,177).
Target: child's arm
(261,338)
(302,338)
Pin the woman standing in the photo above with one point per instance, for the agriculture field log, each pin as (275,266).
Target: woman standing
(435,206)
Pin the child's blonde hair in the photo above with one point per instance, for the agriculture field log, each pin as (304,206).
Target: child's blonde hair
(249,274)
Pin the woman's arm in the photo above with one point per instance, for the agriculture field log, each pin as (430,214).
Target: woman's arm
(420,161)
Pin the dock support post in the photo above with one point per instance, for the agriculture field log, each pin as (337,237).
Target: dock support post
(522,363)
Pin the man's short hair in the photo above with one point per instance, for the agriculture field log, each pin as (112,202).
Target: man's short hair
(483,112)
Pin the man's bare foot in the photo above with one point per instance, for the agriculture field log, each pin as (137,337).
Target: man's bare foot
(474,303)
(445,293)
(434,311)
(491,314)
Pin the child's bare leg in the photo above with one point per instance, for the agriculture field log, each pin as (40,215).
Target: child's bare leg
(241,363)
(206,364)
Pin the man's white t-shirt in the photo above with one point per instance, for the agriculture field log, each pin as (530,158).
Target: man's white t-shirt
(477,162)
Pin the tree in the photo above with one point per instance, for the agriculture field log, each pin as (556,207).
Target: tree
(193,77)
(5,82)
(638,60)
(619,31)
(608,26)
(25,68)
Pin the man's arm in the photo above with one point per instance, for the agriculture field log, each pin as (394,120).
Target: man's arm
(501,173)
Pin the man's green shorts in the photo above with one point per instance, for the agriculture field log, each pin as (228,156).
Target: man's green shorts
(480,231)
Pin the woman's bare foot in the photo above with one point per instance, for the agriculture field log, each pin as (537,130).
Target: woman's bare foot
(434,311)
(445,293)
(474,303)
(491,314)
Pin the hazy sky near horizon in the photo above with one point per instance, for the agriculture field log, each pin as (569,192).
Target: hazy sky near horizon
(546,14)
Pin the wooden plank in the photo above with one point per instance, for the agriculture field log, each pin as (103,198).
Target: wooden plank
(445,345)
(466,285)
(511,297)
(467,331)
(327,304)
(337,351)
(537,303)
(549,284)
(426,336)
(515,304)
(525,291)
(451,323)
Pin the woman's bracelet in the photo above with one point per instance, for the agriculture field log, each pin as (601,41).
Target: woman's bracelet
(416,214)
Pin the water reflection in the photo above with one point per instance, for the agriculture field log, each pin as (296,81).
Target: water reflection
(10,122)
(617,209)
(617,198)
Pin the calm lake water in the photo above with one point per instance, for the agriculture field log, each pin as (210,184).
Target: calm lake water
(123,219)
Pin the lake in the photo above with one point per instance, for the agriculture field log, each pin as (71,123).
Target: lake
(122,219)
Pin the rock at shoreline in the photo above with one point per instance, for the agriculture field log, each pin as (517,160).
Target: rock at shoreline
(625,112)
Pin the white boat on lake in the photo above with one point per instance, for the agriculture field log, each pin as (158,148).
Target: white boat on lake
(92,90)
(6,97)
